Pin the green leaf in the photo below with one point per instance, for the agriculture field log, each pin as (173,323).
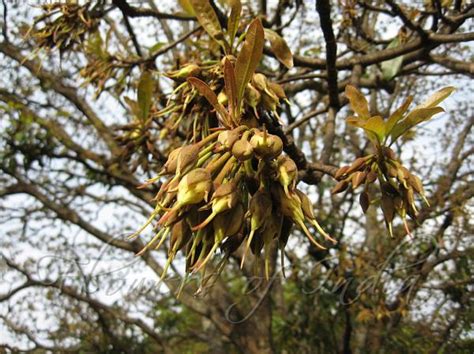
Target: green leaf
(356,121)
(156,47)
(210,96)
(357,101)
(391,67)
(376,125)
(413,118)
(234,18)
(280,48)
(145,94)
(437,97)
(249,56)
(207,18)
(397,115)
(187,7)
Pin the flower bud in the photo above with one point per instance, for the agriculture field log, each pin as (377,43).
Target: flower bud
(242,150)
(227,138)
(341,172)
(180,235)
(364,201)
(277,90)
(371,177)
(391,170)
(271,231)
(224,198)
(222,98)
(388,209)
(259,81)
(340,187)
(308,212)
(252,97)
(359,164)
(260,209)
(172,162)
(185,72)
(287,173)
(389,153)
(270,102)
(187,158)
(232,243)
(358,178)
(306,205)
(266,147)
(229,223)
(291,207)
(194,187)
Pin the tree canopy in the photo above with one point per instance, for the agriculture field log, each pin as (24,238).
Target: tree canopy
(263,177)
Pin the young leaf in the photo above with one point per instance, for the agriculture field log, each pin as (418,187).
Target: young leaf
(397,115)
(207,18)
(231,89)
(145,94)
(187,7)
(391,67)
(211,97)
(234,18)
(358,102)
(413,118)
(437,97)
(376,125)
(133,105)
(249,56)
(356,121)
(280,48)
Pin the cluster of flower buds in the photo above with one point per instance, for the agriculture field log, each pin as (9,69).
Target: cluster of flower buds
(185,102)
(398,186)
(235,187)
(231,187)
(65,30)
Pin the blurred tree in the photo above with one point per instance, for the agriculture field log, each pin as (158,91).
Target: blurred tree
(95,97)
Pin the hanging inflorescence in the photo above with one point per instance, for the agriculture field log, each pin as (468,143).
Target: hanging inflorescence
(398,186)
(232,184)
